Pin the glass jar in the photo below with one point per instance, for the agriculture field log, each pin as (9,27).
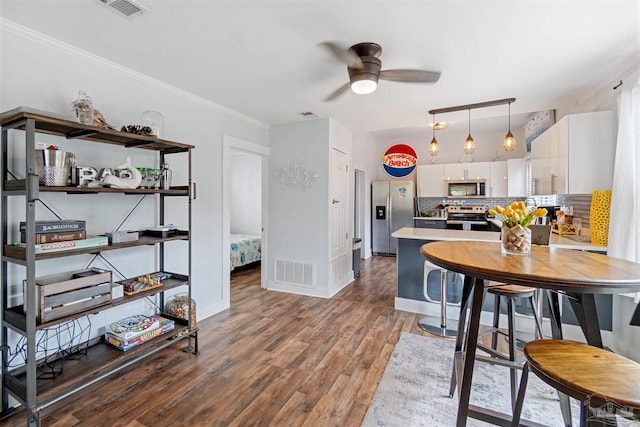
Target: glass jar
(83,109)
(516,240)
(178,306)
(155,121)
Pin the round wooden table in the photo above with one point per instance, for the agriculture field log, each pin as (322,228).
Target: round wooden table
(577,274)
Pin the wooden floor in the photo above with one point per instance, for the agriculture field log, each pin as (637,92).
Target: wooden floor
(273,359)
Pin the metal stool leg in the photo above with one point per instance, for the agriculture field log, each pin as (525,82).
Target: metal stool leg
(496,321)
(428,323)
(511,301)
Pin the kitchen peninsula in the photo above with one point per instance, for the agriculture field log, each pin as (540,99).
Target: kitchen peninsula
(410,268)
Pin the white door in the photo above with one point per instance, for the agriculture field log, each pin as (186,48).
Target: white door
(339,208)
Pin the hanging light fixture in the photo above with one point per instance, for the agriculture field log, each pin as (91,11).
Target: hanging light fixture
(509,143)
(433,146)
(469,144)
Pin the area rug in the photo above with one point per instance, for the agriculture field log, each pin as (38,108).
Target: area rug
(414,389)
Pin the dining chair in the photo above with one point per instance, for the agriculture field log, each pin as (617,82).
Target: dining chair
(605,383)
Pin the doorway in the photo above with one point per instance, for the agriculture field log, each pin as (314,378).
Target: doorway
(244,207)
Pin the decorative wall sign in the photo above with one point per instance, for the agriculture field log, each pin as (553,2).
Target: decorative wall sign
(296,175)
(399,160)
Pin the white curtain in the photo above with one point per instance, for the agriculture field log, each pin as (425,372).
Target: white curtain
(624,238)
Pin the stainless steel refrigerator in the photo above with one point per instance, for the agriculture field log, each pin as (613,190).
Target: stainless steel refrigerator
(392,204)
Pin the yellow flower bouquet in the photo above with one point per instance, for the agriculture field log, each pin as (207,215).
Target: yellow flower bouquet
(516,219)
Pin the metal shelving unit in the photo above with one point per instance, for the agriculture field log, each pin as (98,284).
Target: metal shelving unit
(100,360)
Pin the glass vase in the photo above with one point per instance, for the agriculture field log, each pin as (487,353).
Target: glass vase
(155,121)
(83,109)
(516,240)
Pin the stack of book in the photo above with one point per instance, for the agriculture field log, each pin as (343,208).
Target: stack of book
(61,235)
(137,329)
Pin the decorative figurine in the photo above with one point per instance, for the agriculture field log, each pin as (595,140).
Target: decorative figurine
(132,182)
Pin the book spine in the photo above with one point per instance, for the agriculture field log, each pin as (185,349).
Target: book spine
(56,226)
(91,242)
(56,237)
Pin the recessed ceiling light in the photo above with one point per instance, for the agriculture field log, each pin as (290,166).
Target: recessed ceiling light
(439,125)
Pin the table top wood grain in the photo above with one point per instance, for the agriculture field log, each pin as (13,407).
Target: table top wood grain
(549,268)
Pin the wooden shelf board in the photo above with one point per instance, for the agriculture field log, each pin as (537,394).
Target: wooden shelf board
(55,124)
(100,361)
(15,316)
(19,253)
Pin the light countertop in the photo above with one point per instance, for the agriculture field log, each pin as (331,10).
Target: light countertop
(445,234)
(436,218)
(434,234)
(557,241)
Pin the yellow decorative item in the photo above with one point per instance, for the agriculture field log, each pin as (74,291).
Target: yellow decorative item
(599,217)
(516,218)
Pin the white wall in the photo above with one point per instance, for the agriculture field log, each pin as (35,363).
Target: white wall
(245,197)
(298,221)
(47,75)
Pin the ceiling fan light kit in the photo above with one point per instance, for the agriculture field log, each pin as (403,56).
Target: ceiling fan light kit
(364,69)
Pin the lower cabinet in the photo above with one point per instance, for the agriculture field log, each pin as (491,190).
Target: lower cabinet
(429,223)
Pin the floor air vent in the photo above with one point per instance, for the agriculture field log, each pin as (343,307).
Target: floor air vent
(125,7)
(295,272)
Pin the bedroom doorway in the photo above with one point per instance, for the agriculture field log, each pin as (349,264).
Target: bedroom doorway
(245,168)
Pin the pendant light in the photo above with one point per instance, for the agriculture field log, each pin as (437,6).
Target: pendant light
(509,143)
(433,146)
(469,144)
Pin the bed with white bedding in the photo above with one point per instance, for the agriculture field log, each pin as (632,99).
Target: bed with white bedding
(245,249)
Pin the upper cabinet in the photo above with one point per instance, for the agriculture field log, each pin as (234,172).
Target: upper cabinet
(431,180)
(457,171)
(498,180)
(516,178)
(574,156)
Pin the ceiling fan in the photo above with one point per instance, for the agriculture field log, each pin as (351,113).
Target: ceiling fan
(365,69)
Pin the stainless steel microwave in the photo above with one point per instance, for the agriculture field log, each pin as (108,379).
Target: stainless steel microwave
(466,189)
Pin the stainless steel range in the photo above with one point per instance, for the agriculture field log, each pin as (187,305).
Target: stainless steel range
(467,218)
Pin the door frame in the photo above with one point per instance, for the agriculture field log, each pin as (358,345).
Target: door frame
(229,144)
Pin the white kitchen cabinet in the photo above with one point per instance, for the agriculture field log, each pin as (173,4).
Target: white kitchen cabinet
(574,156)
(431,180)
(498,180)
(457,171)
(516,178)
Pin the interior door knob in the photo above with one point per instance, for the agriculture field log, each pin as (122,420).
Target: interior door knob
(334,201)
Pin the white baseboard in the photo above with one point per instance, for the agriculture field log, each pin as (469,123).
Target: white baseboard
(211,309)
(337,287)
(523,323)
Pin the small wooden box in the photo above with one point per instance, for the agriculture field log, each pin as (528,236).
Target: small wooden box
(65,294)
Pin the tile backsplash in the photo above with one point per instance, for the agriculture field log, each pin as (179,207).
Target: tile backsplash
(581,203)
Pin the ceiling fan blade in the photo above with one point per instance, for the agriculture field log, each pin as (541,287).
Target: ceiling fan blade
(342,89)
(346,56)
(417,76)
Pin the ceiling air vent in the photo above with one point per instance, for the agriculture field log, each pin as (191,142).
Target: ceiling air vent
(125,7)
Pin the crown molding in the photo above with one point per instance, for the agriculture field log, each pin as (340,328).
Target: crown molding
(27,33)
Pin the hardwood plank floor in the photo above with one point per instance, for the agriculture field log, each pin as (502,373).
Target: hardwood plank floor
(272,359)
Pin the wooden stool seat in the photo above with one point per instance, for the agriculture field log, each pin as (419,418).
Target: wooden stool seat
(583,372)
(504,289)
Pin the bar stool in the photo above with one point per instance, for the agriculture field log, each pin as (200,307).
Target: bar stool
(443,329)
(600,380)
(510,293)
